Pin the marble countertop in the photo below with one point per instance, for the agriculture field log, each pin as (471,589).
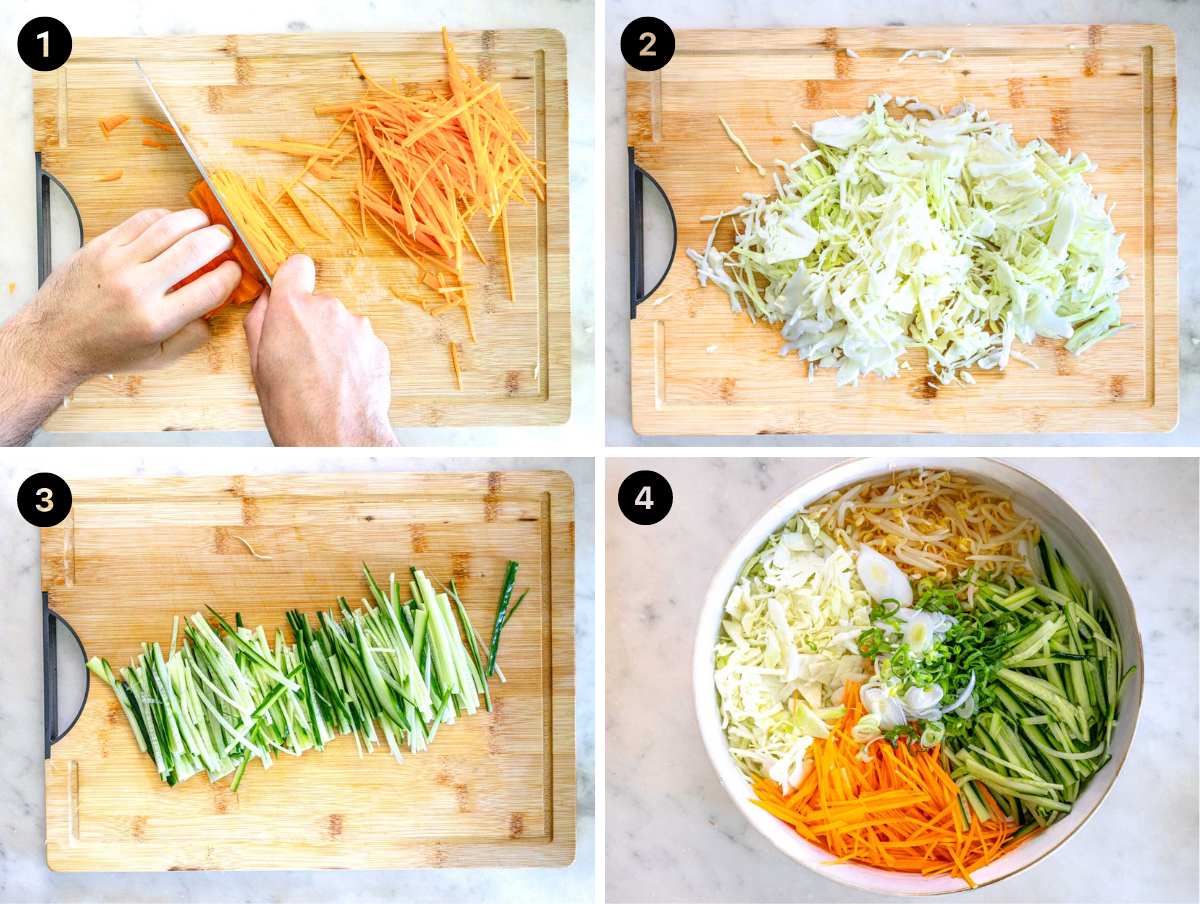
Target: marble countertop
(1183,17)
(673,834)
(574,18)
(24,876)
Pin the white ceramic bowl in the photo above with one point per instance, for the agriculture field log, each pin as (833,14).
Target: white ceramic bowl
(1080,546)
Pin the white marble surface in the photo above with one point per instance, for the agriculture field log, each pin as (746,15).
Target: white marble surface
(671,831)
(24,876)
(1183,17)
(574,18)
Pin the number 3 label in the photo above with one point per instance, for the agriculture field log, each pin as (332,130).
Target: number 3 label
(44,500)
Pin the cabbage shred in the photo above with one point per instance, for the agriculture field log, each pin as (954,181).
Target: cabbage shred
(944,234)
(786,648)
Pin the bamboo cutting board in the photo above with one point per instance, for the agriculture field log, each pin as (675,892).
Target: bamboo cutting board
(1108,90)
(265,86)
(493,790)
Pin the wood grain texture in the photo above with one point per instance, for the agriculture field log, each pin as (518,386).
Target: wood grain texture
(265,86)
(494,790)
(1107,90)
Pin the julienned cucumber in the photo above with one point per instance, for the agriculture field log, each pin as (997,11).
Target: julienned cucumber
(1049,728)
(220,700)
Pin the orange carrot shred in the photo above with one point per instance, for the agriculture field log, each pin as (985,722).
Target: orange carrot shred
(454,364)
(898,809)
(110,124)
(151,143)
(159,124)
(113,176)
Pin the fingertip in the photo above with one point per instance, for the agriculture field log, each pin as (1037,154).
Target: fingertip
(297,273)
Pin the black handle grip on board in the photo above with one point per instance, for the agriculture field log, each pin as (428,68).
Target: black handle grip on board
(637,235)
(42,180)
(50,622)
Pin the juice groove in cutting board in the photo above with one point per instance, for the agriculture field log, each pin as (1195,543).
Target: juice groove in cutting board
(1109,91)
(265,86)
(494,790)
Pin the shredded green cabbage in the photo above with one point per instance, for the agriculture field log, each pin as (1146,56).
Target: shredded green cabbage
(786,648)
(944,234)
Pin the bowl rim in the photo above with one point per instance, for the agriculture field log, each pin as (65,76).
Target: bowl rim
(714,742)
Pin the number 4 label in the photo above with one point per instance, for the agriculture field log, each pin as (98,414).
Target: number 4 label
(645,497)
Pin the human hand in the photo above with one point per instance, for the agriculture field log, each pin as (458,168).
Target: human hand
(110,308)
(323,376)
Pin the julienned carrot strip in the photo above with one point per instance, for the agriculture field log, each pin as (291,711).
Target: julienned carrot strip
(428,162)
(512,292)
(898,809)
(295,148)
(320,170)
(151,143)
(113,176)
(337,213)
(454,364)
(313,223)
(110,124)
(158,124)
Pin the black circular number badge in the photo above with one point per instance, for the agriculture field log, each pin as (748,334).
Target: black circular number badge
(647,43)
(44,500)
(44,44)
(645,497)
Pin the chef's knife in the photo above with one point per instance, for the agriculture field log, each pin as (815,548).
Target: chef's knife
(203,172)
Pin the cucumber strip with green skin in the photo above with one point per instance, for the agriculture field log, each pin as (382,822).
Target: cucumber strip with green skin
(1019,598)
(382,694)
(473,643)
(1086,755)
(976,769)
(443,660)
(1007,764)
(1033,645)
(375,591)
(976,802)
(510,579)
(466,684)
(101,668)
(420,626)
(275,694)
(249,649)
(1098,633)
(221,699)
(241,771)
(1051,595)
(1049,724)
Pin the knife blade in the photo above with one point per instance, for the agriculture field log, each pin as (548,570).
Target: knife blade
(203,172)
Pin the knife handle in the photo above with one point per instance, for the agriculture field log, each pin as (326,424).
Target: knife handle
(50,623)
(637,236)
(43,180)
